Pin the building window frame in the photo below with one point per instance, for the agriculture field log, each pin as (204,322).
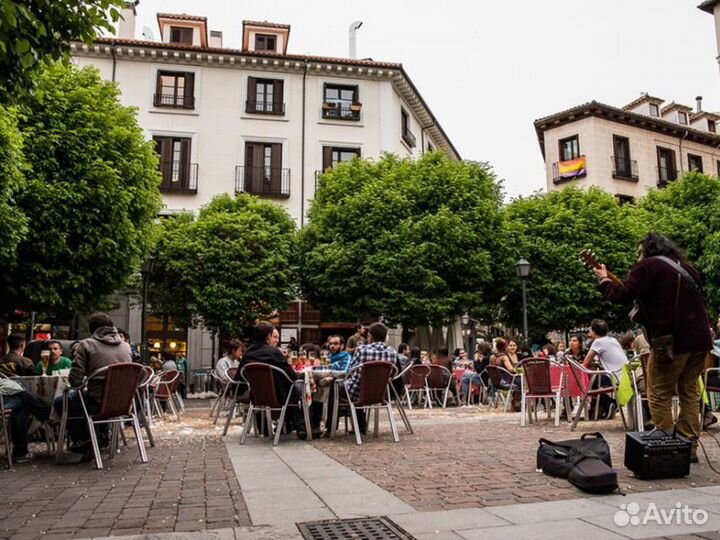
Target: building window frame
(654,110)
(406,133)
(332,155)
(341,101)
(695,162)
(683,118)
(670,168)
(182,34)
(623,166)
(266,42)
(179,174)
(712,126)
(571,144)
(265,96)
(170,93)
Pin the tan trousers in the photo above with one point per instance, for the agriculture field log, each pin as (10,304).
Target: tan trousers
(663,380)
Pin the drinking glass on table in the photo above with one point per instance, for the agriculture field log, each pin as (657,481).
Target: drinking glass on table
(44,361)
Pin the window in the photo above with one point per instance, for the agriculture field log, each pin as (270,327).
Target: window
(265,96)
(695,163)
(682,117)
(717,165)
(655,110)
(666,166)
(332,155)
(430,147)
(265,42)
(178,174)
(263,173)
(711,126)
(405,132)
(625,168)
(178,34)
(569,148)
(341,102)
(175,89)
(625,199)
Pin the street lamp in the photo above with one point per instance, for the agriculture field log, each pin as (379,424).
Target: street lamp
(145,271)
(522,269)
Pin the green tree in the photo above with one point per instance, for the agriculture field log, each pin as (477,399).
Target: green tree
(688,211)
(13,225)
(231,265)
(37,32)
(550,230)
(91,195)
(413,241)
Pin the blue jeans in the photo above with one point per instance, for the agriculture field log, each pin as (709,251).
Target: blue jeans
(78,429)
(23,405)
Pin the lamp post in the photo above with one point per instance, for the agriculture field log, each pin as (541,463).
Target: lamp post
(145,271)
(522,269)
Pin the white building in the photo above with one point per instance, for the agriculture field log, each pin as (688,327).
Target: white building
(257,119)
(630,150)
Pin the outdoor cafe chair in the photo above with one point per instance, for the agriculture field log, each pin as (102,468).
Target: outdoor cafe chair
(5,417)
(375,382)
(225,396)
(165,385)
(397,398)
(586,378)
(263,399)
(504,383)
(709,389)
(475,388)
(118,406)
(417,384)
(220,385)
(538,385)
(143,406)
(239,401)
(436,383)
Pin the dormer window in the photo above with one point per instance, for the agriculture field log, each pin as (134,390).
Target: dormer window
(655,110)
(179,34)
(265,42)
(711,126)
(682,118)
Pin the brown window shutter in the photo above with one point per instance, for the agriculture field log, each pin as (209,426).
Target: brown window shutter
(248,175)
(258,167)
(189,96)
(278,96)
(164,150)
(251,95)
(184,163)
(158,89)
(327,158)
(276,172)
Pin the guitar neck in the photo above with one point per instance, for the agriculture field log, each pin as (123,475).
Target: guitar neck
(614,278)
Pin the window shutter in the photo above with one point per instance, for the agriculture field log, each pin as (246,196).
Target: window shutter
(248,176)
(184,163)
(158,90)
(250,102)
(278,96)
(258,167)
(276,172)
(189,96)
(164,150)
(327,158)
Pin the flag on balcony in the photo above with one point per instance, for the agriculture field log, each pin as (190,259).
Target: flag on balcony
(575,168)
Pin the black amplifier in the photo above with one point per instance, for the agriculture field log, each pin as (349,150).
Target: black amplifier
(657,454)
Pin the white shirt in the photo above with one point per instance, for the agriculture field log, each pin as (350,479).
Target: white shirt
(610,353)
(223,365)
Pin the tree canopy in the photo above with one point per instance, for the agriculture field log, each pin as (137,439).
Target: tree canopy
(231,265)
(13,225)
(90,195)
(37,32)
(413,241)
(550,230)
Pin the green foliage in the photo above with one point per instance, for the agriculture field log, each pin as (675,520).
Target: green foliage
(229,267)
(413,241)
(550,230)
(13,225)
(37,32)
(91,194)
(688,211)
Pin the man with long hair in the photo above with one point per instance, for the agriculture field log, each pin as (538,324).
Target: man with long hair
(673,313)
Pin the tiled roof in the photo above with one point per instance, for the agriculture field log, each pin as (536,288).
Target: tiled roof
(181,17)
(266,24)
(672,105)
(704,114)
(642,99)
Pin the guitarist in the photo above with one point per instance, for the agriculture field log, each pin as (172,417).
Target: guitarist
(673,312)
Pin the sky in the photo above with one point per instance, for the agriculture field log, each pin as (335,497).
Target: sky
(489,68)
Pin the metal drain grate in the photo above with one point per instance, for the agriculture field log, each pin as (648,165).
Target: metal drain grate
(353,529)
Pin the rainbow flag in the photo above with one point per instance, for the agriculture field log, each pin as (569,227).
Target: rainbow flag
(575,168)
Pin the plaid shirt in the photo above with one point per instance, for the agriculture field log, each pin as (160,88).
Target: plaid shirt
(367,353)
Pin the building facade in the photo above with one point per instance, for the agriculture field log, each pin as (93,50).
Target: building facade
(628,151)
(258,120)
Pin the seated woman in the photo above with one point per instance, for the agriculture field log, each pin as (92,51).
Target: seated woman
(576,350)
(502,358)
(477,375)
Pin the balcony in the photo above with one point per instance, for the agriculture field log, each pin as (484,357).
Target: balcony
(665,176)
(341,111)
(179,177)
(572,169)
(625,169)
(271,182)
(264,107)
(409,138)
(174,101)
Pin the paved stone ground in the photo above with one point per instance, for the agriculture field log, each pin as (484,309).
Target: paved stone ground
(462,458)
(188,485)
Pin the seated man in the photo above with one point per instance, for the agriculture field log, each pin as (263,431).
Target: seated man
(23,404)
(57,360)
(339,358)
(103,348)
(14,363)
(375,350)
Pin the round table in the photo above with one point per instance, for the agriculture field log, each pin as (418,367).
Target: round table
(46,387)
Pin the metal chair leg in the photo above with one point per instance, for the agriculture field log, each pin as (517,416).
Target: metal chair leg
(356,426)
(248,424)
(139,439)
(393,424)
(230,416)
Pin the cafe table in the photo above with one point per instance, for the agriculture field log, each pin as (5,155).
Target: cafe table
(46,387)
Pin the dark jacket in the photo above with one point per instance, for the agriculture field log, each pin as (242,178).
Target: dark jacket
(653,283)
(13,364)
(103,348)
(267,354)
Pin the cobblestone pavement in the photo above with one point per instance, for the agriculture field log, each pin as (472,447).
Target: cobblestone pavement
(462,458)
(188,485)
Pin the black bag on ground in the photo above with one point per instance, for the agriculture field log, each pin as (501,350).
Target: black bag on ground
(553,457)
(591,474)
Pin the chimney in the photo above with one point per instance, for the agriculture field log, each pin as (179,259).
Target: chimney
(216,39)
(698,101)
(352,31)
(126,28)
